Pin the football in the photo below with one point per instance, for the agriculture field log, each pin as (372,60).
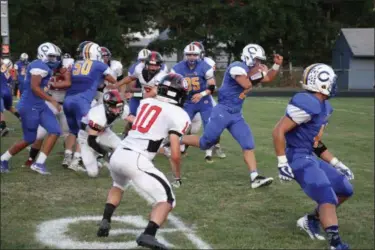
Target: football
(258,68)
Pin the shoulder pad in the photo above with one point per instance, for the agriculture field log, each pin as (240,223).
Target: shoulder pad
(307,102)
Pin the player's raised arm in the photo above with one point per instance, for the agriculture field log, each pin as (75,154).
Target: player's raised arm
(272,73)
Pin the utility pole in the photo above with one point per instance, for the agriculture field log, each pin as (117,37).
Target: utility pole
(5,51)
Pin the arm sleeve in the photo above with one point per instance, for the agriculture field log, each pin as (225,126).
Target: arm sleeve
(237,71)
(91,141)
(297,114)
(39,72)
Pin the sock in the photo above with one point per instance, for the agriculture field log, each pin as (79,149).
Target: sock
(209,152)
(41,158)
(314,215)
(33,153)
(333,235)
(253,175)
(3,125)
(68,152)
(77,155)
(151,228)
(6,156)
(108,211)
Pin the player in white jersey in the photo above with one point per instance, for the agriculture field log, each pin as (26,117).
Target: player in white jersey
(146,75)
(158,118)
(57,86)
(98,133)
(116,70)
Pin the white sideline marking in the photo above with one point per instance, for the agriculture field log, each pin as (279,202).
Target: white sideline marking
(53,233)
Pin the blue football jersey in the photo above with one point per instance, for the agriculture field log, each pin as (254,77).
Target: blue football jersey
(311,115)
(36,67)
(231,94)
(86,78)
(196,77)
(21,70)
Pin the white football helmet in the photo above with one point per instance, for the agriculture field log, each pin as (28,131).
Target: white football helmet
(247,57)
(92,51)
(192,49)
(321,78)
(143,54)
(24,57)
(256,51)
(50,54)
(6,65)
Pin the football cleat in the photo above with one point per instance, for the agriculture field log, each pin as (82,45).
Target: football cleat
(104,228)
(4,167)
(261,181)
(342,246)
(219,152)
(76,165)
(311,227)
(67,160)
(4,132)
(40,168)
(149,241)
(208,159)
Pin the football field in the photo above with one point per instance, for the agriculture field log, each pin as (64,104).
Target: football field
(216,208)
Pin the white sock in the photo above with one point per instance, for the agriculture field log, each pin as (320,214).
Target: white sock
(41,158)
(6,156)
(253,175)
(68,152)
(209,152)
(77,154)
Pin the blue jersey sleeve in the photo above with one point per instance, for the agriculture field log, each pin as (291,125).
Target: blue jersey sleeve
(306,102)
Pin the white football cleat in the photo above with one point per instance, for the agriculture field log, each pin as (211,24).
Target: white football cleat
(311,227)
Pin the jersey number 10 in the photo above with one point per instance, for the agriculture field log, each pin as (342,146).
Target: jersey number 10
(146,118)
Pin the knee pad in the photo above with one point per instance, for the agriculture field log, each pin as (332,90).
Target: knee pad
(346,189)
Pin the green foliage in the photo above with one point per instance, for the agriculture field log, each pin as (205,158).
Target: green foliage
(303,31)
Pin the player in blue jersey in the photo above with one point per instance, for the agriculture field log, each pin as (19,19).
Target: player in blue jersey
(34,110)
(227,114)
(295,137)
(6,98)
(20,67)
(200,77)
(87,75)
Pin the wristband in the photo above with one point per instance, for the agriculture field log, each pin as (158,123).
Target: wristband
(275,66)
(203,93)
(282,159)
(334,161)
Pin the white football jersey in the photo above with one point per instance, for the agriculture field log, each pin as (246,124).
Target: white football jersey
(154,81)
(210,62)
(116,69)
(154,122)
(59,94)
(96,118)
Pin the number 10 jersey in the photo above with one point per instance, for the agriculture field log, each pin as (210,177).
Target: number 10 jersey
(154,122)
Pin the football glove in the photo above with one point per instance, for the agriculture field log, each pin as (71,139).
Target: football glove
(285,171)
(342,168)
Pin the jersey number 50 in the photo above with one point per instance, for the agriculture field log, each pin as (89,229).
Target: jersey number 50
(146,117)
(82,69)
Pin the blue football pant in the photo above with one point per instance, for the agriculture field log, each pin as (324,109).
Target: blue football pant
(221,119)
(32,117)
(318,179)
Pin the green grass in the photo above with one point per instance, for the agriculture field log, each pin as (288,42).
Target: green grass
(215,200)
